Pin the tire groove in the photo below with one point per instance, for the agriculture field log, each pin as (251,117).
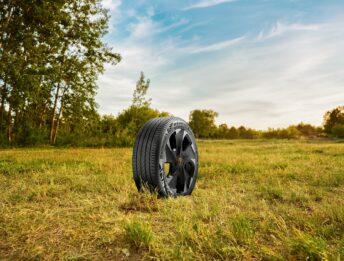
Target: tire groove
(146,153)
(140,158)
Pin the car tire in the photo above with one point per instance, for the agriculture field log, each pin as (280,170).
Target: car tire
(165,157)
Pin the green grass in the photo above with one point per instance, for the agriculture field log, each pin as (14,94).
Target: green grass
(253,200)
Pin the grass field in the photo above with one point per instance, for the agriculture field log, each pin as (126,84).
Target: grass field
(253,200)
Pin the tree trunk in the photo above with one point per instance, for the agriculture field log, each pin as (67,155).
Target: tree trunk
(53,118)
(9,125)
(2,106)
(41,118)
(58,122)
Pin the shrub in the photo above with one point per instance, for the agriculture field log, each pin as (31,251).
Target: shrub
(308,130)
(332,118)
(289,133)
(338,130)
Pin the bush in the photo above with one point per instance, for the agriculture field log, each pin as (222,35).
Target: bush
(132,119)
(289,133)
(247,133)
(308,130)
(333,118)
(338,130)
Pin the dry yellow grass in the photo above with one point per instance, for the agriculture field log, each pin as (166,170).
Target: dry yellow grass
(253,199)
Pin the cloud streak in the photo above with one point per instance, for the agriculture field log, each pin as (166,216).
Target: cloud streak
(281,28)
(217,46)
(207,3)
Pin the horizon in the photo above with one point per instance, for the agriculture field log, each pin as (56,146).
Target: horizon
(259,64)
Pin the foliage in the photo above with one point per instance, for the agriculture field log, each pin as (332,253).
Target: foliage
(332,118)
(139,96)
(308,130)
(254,199)
(202,122)
(247,133)
(291,132)
(51,53)
(109,130)
(338,130)
(132,119)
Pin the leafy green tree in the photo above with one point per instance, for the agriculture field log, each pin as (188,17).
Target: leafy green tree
(81,58)
(332,118)
(202,123)
(51,53)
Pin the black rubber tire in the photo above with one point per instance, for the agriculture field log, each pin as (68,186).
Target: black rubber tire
(152,150)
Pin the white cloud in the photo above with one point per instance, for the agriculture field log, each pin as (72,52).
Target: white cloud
(217,46)
(112,5)
(281,28)
(143,29)
(140,52)
(274,82)
(146,27)
(207,3)
(114,8)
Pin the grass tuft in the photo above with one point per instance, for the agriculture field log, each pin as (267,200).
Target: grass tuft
(139,234)
(242,228)
(272,193)
(308,247)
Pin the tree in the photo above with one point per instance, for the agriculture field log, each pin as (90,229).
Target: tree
(202,123)
(308,130)
(247,133)
(233,133)
(51,53)
(222,132)
(132,119)
(81,58)
(139,96)
(286,133)
(332,118)
(338,130)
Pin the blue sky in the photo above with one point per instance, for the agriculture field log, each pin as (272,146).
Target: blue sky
(259,63)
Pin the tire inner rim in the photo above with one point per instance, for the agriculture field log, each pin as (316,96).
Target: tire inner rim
(178,162)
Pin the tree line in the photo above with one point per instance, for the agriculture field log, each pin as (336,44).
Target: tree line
(203,124)
(121,130)
(51,54)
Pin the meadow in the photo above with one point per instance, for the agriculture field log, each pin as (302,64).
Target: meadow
(259,199)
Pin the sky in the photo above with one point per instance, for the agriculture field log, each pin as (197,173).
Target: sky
(258,63)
